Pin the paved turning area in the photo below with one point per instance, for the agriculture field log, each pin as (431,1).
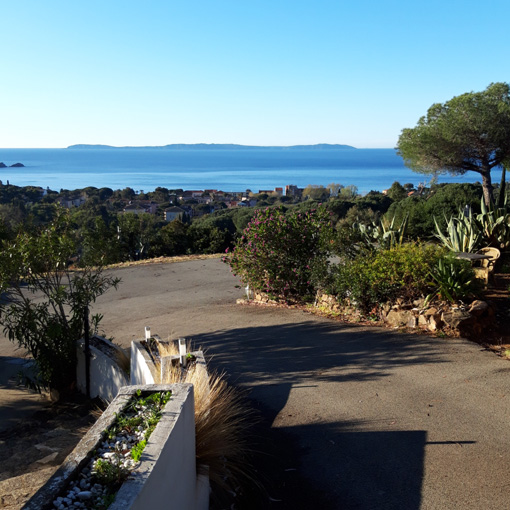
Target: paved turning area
(376,419)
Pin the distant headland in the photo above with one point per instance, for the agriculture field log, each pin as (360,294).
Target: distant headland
(220,146)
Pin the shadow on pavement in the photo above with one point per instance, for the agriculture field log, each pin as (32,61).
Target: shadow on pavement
(313,351)
(17,402)
(324,464)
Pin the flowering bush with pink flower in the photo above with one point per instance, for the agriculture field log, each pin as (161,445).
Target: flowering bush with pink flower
(282,254)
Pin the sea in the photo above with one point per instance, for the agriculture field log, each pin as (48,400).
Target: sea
(144,169)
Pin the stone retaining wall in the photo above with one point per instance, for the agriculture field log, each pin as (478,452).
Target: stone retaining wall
(465,320)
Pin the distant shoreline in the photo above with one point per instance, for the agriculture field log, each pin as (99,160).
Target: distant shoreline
(219,146)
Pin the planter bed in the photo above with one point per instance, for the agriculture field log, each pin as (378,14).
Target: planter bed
(166,465)
(148,367)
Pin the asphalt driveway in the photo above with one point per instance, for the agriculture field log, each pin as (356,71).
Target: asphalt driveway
(370,418)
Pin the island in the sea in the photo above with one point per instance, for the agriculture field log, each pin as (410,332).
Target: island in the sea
(219,146)
(16,165)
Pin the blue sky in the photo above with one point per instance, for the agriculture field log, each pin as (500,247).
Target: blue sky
(260,73)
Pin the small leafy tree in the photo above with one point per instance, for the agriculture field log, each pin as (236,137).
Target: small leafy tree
(443,201)
(100,243)
(334,188)
(204,239)
(316,192)
(350,191)
(175,237)
(44,301)
(397,192)
(282,254)
(137,235)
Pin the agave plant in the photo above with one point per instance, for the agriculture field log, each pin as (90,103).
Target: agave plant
(463,233)
(383,235)
(495,223)
(452,280)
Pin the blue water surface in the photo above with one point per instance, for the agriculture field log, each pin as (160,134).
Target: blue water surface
(227,170)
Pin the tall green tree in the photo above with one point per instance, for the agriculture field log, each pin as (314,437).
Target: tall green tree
(469,133)
(397,192)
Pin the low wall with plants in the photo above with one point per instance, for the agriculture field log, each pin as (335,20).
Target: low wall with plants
(104,456)
(152,362)
(222,416)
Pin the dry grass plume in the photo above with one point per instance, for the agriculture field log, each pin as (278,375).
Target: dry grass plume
(222,421)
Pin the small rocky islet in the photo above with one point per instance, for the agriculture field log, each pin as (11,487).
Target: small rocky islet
(16,165)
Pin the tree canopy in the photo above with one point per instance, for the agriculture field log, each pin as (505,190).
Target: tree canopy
(470,132)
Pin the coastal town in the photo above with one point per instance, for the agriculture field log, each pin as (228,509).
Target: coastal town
(172,204)
(190,203)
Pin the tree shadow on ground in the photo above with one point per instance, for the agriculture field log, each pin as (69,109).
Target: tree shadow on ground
(324,464)
(329,466)
(17,401)
(310,350)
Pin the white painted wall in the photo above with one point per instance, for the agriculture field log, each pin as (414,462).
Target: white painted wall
(143,370)
(167,478)
(167,475)
(106,377)
(202,492)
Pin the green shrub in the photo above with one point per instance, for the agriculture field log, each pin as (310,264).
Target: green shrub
(203,239)
(347,242)
(385,275)
(282,254)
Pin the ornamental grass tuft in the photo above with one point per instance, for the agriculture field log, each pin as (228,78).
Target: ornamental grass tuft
(222,422)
